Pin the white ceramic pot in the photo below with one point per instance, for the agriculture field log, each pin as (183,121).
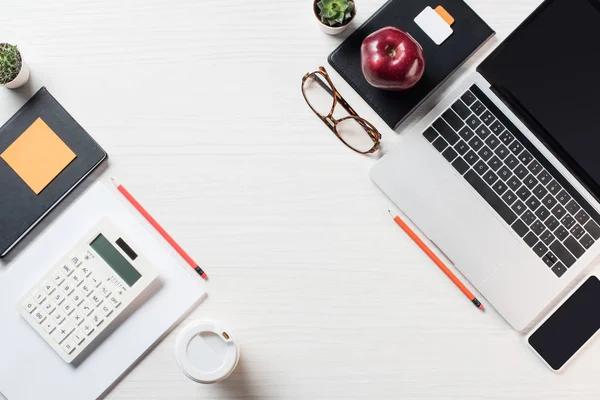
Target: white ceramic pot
(332,30)
(21,79)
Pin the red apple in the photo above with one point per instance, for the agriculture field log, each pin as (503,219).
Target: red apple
(391,59)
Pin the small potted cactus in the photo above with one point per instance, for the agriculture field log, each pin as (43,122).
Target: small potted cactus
(334,15)
(13,70)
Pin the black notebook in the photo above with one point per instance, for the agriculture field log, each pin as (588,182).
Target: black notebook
(469,33)
(44,154)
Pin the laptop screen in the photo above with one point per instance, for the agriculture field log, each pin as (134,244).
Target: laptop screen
(548,71)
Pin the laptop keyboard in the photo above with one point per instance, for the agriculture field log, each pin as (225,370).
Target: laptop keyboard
(523,188)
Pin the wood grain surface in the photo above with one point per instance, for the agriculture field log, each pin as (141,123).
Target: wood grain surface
(198,104)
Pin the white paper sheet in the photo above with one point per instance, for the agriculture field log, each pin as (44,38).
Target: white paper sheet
(29,368)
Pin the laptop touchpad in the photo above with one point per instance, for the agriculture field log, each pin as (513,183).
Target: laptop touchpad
(475,237)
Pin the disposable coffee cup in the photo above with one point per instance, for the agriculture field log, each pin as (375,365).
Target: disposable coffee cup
(206,352)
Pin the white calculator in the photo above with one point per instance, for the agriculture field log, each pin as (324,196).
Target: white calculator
(83,295)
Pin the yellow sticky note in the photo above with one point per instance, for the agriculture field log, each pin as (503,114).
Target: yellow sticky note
(38,155)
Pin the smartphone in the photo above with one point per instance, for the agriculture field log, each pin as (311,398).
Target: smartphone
(569,327)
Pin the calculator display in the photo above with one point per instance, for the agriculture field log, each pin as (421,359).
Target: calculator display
(115,260)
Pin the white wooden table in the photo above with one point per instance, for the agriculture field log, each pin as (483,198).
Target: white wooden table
(198,104)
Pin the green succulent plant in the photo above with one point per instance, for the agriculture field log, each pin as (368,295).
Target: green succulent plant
(10,63)
(335,12)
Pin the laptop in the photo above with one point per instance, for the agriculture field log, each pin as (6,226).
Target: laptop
(503,175)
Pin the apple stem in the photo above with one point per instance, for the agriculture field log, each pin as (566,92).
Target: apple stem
(390,51)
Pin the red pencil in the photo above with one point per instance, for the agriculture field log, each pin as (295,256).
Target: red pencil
(437,261)
(160,229)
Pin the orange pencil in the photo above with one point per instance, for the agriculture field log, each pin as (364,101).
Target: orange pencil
(437,261)
(160,229)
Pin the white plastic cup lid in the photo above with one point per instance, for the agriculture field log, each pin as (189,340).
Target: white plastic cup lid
(206,352)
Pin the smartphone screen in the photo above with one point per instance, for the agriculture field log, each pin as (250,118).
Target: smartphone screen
(570,327)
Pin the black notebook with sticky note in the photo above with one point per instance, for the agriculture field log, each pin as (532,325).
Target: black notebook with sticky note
(467,33)
(44,155)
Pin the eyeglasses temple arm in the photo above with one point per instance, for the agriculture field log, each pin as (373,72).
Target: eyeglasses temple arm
(339,98)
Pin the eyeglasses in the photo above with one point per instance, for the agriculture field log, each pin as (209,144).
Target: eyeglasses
(322,97)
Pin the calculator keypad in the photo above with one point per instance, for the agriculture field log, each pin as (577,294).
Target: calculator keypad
(49,307)
(29,305)
(73,304)
(58,278)
(48,287)
(49,326)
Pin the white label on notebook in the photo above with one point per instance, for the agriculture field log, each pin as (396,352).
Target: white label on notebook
(433,25)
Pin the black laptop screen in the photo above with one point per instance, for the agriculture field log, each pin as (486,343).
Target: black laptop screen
(548,70)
